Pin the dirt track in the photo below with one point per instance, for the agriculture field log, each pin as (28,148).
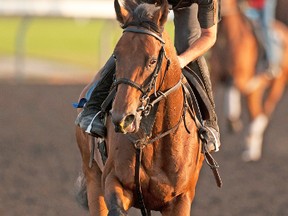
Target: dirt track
(39,160)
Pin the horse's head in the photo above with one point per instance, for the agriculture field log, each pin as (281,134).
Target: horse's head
(139,60)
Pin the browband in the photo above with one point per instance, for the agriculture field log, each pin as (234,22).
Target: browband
(144,31)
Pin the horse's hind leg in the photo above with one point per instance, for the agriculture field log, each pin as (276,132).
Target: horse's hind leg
(275,94)
(96,203)
(258,124)
(254,140)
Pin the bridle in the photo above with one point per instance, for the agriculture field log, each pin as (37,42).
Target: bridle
(146,100)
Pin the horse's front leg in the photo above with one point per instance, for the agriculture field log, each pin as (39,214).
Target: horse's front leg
(180,207)
(118,199)
(92,175)
(258,123)
(233,108)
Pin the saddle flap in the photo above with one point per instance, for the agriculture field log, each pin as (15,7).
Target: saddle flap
(196,87)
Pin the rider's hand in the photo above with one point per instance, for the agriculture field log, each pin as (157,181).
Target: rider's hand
(181,62)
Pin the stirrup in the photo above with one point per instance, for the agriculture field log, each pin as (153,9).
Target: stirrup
(216,144)
(210,139)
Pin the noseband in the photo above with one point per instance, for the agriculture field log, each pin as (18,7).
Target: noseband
(146,105)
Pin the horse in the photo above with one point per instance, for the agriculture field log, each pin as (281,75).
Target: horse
(154,153)
(234,58)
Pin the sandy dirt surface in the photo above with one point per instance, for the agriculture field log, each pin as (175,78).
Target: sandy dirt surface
(39,159)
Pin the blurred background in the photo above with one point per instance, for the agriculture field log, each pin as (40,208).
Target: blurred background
(56,38)
(49,49)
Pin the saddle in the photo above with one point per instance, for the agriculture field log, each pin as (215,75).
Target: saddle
(196,94)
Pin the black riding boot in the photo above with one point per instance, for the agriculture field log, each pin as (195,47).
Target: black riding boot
(90,119)
(212,135)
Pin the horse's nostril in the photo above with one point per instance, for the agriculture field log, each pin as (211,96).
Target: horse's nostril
(129,120)
(125,125)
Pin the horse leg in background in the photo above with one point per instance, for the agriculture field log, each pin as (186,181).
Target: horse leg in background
(96,203)
(258,123)
(275,93)
(232,105)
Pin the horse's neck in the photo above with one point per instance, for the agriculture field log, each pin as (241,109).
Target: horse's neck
(170,109)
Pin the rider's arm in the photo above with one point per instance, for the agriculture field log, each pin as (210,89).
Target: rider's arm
(208,16)
(199,47)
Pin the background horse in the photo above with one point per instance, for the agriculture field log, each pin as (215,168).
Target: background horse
(165,142)
(234,58)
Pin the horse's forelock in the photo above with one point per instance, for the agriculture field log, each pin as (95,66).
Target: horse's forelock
(145,13)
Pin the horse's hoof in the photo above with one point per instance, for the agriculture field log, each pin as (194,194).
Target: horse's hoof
(247,156)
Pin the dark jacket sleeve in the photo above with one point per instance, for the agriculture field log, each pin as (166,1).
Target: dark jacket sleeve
(208,12)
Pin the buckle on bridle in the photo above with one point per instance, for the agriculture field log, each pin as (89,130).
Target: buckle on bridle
(146,106)
(140,144)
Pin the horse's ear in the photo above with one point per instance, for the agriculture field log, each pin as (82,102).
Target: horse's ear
(162,13)
(122,14)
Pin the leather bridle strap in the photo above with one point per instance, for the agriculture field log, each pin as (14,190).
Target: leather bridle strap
(166,93)
(144,31)
(130,83)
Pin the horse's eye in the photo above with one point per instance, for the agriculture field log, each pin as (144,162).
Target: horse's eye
(152,62)
(114,56)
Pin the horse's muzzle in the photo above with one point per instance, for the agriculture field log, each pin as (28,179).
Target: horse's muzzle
(128,124)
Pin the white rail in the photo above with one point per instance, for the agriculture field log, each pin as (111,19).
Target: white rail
(62,8)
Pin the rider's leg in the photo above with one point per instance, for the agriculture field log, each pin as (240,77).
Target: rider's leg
(90,118)
(273,47)
(86,92)
(187,30)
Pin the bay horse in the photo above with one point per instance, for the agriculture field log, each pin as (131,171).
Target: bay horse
(147,126)
(234,57)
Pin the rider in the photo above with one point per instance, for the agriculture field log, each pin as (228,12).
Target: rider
(195,24)
(262,14)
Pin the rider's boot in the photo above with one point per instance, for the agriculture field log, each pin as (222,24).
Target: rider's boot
(211,132)
(91,118)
